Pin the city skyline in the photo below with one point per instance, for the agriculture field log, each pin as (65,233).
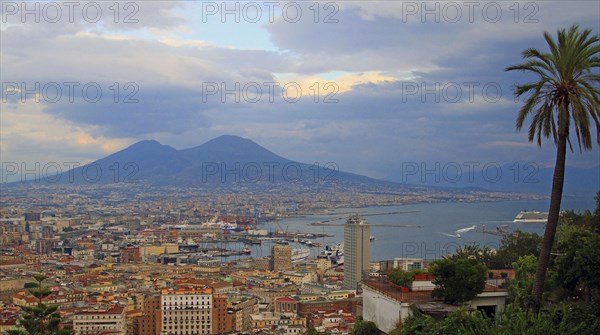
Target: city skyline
(299,167)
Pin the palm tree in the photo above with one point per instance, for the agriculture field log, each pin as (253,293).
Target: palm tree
(563,99)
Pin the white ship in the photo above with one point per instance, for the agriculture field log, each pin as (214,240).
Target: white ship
(334,254)
(531,217)
(299,255)
(219,225)
(228,226)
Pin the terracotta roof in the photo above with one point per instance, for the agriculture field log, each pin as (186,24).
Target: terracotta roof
(220,284)
(116,309)
(510,273)
(8,322)
(394,293)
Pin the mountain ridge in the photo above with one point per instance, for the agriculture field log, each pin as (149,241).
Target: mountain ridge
(231,161)
(223,161)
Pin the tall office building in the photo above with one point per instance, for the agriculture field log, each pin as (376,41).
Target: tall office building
(281,258)
(357,251)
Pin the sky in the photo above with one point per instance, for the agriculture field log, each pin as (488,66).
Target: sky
(370,86)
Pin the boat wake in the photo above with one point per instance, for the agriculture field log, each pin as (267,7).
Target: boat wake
(451,235)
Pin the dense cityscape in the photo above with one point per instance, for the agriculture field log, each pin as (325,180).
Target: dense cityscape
(119,260)
(299,167)
(127,260)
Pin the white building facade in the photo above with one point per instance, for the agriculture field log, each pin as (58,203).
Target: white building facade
(186,312)
(101,320)
(357,252)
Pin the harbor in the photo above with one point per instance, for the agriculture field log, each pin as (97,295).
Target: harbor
(402,231)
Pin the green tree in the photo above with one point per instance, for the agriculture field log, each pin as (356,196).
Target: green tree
(367,328)
(516,245)
(564,95)
(577,264)
(565,319)
(400,277)
(569,218)
(40,319)
(485,255)
(362,327)
(520,288)
(586,220)
(458,280)
(464,322)
(418,324)
(357,324)
(582,316)
(597,213)
(561,320)
(31,285)
(460,321)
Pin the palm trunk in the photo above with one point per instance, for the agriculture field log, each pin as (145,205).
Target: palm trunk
(553,214)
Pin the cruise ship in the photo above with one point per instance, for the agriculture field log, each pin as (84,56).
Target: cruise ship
(531,217)
(334,254)
(299,255)
(219,225)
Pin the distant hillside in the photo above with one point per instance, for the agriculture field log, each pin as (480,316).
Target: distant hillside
(521,177)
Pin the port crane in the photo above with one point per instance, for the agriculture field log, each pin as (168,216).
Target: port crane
(281,231)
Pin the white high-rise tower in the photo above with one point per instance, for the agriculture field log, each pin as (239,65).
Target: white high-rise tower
(357,251)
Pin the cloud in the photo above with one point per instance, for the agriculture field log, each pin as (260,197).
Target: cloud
(396,78)
(324,85)
(507,144)
(31,135)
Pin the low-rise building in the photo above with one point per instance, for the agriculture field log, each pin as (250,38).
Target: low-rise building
(99,319)
(333,322)
(130,254)
(240,309)
(8,319)
(299,278)
(274,323)
(386,304)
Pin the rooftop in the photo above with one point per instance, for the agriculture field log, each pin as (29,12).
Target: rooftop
(393,292)
(114,309)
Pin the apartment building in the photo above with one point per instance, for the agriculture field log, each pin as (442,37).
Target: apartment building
(186,311)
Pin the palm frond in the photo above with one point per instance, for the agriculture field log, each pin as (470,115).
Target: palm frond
(565,93)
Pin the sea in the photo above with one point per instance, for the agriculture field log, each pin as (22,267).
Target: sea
(431,227)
